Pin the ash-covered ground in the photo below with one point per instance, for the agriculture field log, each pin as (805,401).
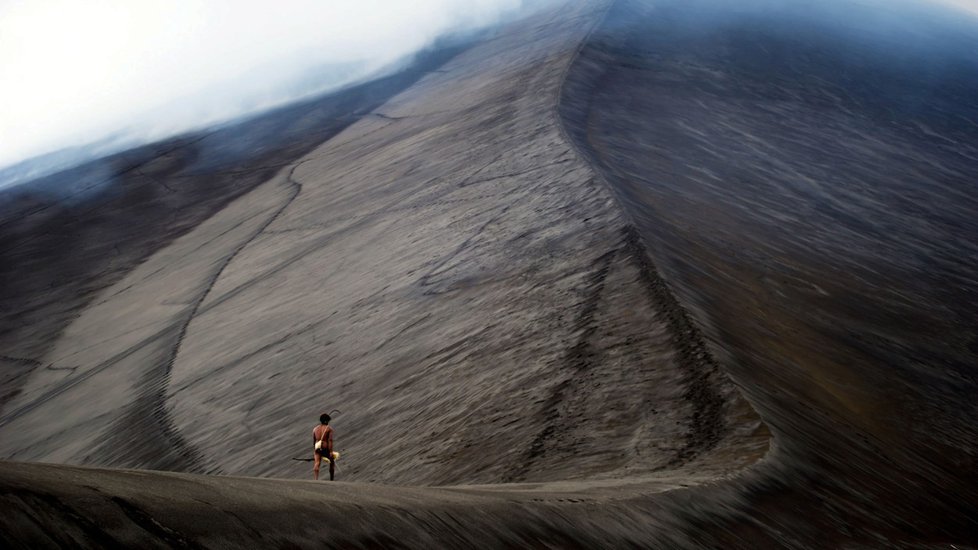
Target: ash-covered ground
(805,178)
(538,275)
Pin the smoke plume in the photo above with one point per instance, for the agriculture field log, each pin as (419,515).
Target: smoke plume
(76,72)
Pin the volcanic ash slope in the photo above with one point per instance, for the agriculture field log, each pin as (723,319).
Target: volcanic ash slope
(447,272)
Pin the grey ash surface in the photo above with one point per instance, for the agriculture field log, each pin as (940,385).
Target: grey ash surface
(539,263)
(804,177)
(446,270)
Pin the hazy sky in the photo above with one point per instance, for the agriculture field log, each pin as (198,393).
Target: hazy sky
(969,5)
(76,71)
(73,71)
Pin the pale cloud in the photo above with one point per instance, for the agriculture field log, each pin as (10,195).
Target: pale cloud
(73,72)
(967,5)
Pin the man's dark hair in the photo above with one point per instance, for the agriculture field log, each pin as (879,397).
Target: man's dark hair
(324,418)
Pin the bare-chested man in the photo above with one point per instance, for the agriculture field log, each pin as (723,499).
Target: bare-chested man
(323,432)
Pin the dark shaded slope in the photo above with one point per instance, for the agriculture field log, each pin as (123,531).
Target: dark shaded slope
(805,181)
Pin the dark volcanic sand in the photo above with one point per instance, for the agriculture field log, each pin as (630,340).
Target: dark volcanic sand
(806,181)
(445,269)
(454,269)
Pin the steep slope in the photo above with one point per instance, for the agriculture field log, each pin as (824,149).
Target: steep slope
(446,271)
(807,191)
(450,274)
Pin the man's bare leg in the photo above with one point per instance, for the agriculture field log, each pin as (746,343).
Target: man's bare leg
(332,467)
(317,459)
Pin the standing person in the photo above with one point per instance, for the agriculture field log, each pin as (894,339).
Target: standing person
(323,435)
